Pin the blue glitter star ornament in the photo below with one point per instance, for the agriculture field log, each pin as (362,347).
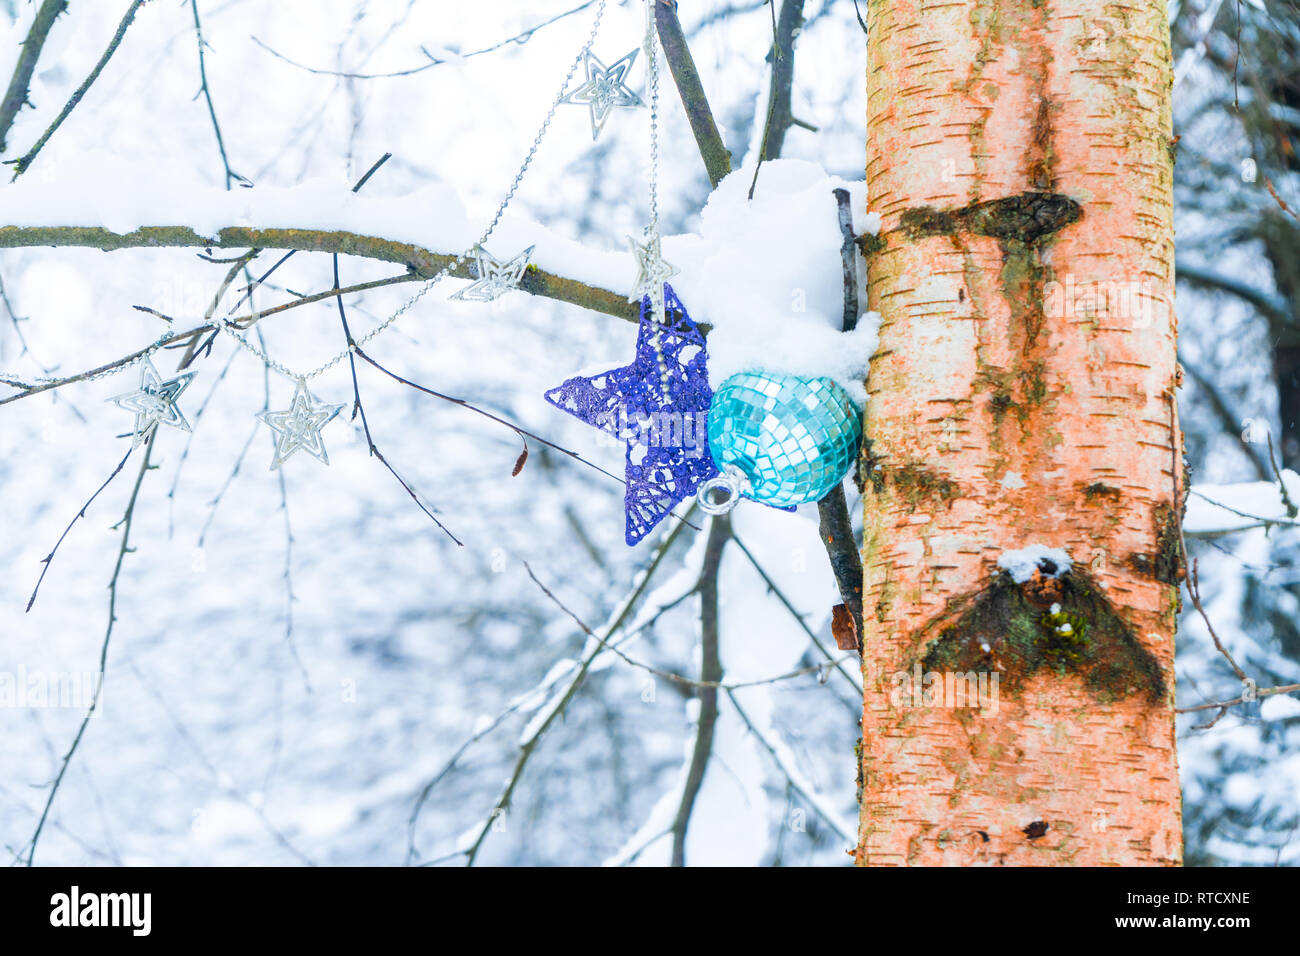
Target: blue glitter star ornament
(662,419)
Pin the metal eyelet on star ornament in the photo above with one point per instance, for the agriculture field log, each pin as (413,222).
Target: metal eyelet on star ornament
(780,439)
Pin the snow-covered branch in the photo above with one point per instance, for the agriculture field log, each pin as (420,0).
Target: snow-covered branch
(421,260)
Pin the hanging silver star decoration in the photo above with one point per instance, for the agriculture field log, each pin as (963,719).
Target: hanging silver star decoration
(495,278)
(651,269)
(604,90)
(299,426)
(154,402)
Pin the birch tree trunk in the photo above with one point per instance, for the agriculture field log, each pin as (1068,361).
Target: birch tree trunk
(1020,154)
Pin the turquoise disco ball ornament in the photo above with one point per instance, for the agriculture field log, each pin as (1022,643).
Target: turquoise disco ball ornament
(779,439)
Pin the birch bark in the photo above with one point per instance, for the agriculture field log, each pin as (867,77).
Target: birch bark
(1019,152)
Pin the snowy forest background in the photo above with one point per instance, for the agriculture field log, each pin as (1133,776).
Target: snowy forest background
(310,671)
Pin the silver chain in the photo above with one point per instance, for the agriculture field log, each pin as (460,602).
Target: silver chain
(227,326)
(24,381)
(657,303)
(652,57)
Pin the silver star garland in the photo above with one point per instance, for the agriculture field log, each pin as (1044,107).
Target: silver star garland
(651,274)
(154,402)
(299,426)
(651,271)
(495,278)
(604,90)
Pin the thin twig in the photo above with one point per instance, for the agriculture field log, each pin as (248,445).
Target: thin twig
(518,38)
(206,92)
(557,708)
(803,625)
(685,682)
(858,12)
(1193,582)
(45,561)
(1280,201)
(1192,579)
(253,285)
(522,433)
(799,788)
(188,339)
(251,318)
(123,550)
(1291,509)
(238,265)
(1244,699)
(359,409)
(28,390)
(519,702)
(23,163)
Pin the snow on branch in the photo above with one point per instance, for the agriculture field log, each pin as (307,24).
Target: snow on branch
(765,274)
(1221,509)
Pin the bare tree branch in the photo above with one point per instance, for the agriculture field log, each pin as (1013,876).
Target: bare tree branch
(710,670)
(779,118)
(556,709)
(205,90)
(49,558)
(716,156)
(686,683)
(813,799)
(423,262)
(518,38)
(1232,424)
(359,409)
(23,163)
(16,96)
(1270,306)
(123,550)
(803,625)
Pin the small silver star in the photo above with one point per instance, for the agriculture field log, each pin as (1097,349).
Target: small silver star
(299,426)
(495,278)
(651,269)
(154,402)
(604,90)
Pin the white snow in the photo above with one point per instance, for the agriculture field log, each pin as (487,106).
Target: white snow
(1023,562)
(1279,706)
(775,300)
